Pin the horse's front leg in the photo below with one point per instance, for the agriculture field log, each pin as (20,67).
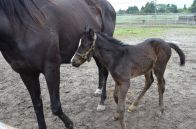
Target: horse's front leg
(52,75)
(103,75)
(32,83)
(122,92)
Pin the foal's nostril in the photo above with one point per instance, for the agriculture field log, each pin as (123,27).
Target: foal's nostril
(75,64)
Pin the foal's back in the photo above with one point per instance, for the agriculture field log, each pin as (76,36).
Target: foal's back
(146,55)
(161,49)
(152,48)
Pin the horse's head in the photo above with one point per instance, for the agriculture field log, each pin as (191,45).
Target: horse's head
(85,48)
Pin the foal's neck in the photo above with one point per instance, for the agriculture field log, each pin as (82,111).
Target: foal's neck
(107,52)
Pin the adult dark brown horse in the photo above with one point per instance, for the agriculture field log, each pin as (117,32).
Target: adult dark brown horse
(128,61)
(36,36)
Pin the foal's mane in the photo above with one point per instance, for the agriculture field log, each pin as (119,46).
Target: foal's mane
(21,10)
(112,40)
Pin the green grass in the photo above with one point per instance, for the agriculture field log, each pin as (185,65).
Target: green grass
(139,32)
(134,26)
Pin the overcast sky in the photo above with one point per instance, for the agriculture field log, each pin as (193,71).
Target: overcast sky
(123,4)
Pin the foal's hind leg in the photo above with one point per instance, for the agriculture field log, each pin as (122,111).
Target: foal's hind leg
(149,80)
(159,72)
(32,83)
(115,94)
(52,75)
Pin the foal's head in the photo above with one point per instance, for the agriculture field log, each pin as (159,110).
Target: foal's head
(85,48)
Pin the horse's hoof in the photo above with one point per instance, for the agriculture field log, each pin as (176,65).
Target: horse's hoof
(132,108)
(97,92)
(101,108)
(70,125)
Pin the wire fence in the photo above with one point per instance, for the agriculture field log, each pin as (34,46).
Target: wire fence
(157,19)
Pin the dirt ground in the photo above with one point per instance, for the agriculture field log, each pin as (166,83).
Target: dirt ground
(78,102)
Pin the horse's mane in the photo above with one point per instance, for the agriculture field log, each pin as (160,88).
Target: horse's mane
(23,10)
(112,40)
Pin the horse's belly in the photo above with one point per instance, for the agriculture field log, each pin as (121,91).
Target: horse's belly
(19,65)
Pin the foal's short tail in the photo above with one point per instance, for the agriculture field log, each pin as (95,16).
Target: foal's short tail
(180,53)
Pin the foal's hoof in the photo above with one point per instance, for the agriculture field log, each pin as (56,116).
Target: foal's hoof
(132,108)
(97,92)
(101,108)
(161,110)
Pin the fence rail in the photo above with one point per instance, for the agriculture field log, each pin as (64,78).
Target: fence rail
(158,19)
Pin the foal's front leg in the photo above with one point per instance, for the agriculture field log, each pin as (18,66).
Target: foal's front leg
(122,92)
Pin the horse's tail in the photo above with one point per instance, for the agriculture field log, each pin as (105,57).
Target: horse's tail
(180,53)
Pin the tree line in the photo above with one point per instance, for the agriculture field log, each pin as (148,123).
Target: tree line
(151,7)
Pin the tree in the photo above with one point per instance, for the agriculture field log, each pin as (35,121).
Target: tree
(121,11)
(171,8)
(174,8)
(193,7)
(132,10)
(149,7)
(185,8)
(161,8)
(142,9)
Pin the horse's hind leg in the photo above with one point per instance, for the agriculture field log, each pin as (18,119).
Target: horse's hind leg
(149,80)
(159,72)
(32,83)
(52,75)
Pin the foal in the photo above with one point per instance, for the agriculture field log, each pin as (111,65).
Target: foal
(128,61)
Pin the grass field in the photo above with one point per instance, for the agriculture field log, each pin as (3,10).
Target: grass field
(125,32)
(141,26)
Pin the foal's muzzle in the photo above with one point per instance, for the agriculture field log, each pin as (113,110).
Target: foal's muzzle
(75,64)
(77,61)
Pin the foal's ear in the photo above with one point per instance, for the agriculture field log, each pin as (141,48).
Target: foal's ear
(91,33)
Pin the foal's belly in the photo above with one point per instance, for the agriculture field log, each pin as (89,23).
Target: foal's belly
(141,68)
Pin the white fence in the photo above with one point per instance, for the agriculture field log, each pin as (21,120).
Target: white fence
(158,19)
